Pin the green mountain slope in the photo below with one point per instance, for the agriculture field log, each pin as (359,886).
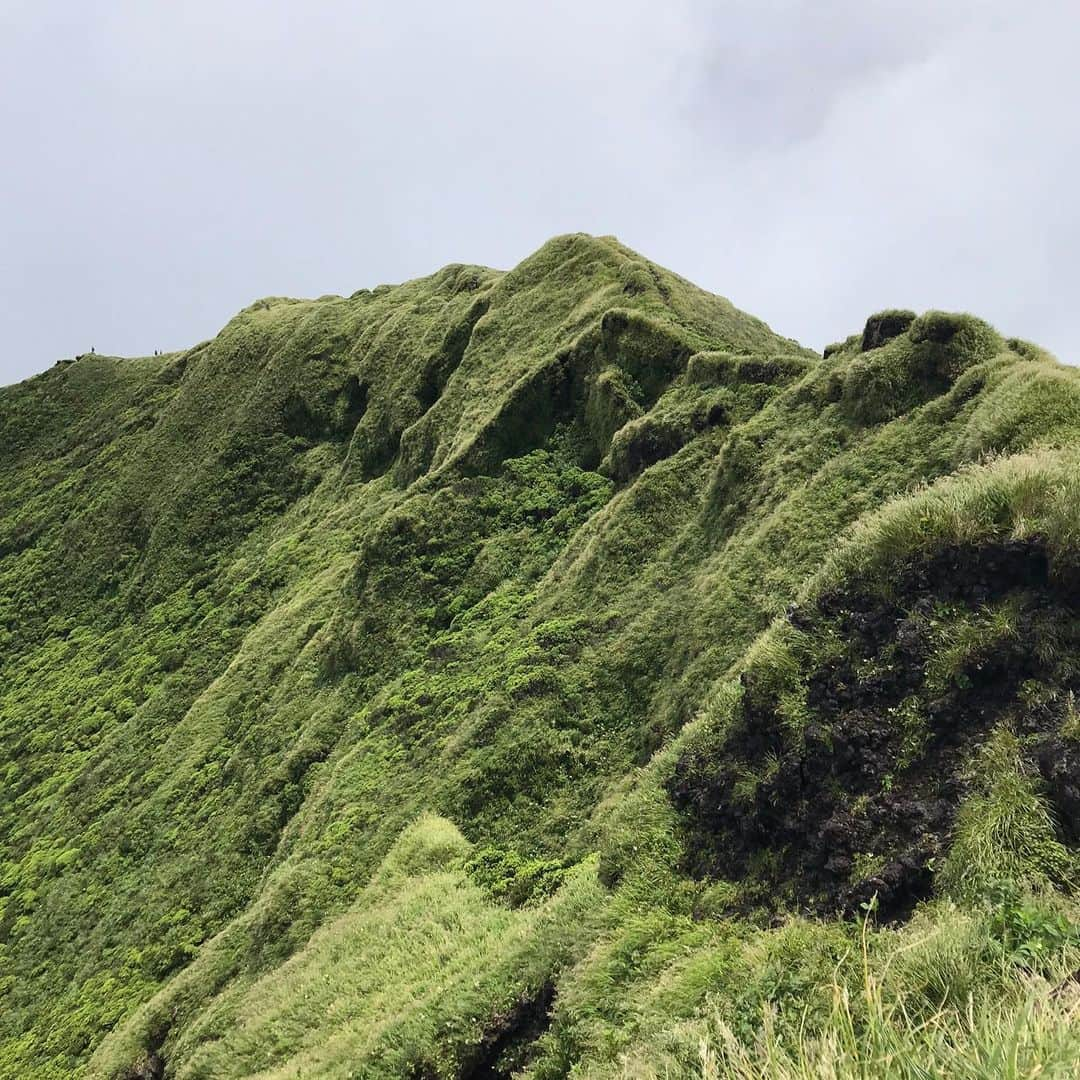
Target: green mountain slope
(535,672)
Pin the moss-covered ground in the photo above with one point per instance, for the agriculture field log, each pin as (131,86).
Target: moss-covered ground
(544,673)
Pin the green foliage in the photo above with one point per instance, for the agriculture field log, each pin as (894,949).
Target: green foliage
(965,339)
(507,876)
(1034,934)
(1005,830)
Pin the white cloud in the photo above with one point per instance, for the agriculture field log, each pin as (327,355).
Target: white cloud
(165,164)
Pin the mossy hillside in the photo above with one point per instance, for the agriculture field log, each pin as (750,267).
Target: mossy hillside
(429,951)
(537,355)
(398,553)
(638,836)
(780,488)
(189,571)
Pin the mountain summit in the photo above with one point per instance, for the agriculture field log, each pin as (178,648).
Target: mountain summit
(544,673)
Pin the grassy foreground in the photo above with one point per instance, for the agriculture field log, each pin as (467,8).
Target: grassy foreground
(544,673)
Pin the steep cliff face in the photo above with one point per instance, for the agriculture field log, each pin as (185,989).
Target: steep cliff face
(463,677)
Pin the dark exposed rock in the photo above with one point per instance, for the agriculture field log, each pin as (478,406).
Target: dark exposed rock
(1059,764)
(883,327)
(504,1048)
(149,1067)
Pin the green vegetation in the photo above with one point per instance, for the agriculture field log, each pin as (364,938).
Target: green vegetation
(542,673)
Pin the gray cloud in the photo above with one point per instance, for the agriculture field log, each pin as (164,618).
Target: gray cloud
(166,164)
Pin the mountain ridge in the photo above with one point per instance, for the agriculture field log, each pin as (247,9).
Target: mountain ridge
(517,602)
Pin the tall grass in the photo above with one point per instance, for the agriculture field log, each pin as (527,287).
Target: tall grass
(878,1039)
(875,1030)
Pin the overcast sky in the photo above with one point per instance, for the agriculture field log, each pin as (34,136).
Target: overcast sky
(163,164)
